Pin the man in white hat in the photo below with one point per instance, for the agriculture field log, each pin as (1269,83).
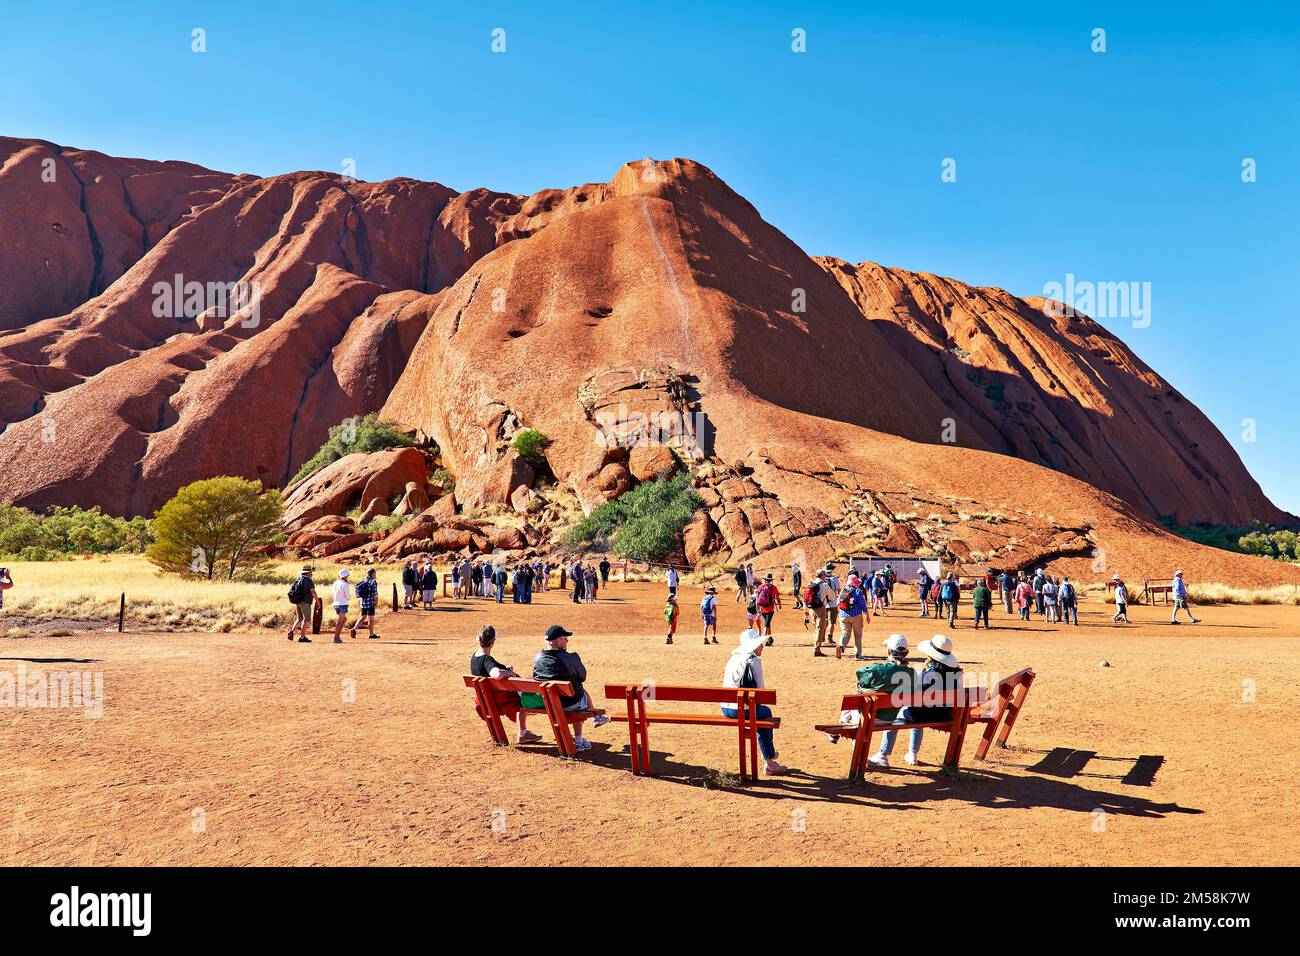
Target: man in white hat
(1179,591)
(893,676)
(1121,600)
(745,669)
(341,594)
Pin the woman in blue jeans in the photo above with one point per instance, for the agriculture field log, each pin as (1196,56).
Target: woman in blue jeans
(942,674)
(745,669)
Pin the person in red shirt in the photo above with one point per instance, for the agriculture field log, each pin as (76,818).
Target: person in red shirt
(768,599)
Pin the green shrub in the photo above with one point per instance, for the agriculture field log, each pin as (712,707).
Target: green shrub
(531,445)
(365,434)
(643,524)
(216,524)
(1257,538)
(65,531)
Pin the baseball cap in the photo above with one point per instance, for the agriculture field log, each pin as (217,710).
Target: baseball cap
(896,642)
(555,631)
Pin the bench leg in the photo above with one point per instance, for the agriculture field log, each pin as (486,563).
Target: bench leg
(559,723)
(952,758)
(1013,710)
(991,728)
(492,716)
(641,740)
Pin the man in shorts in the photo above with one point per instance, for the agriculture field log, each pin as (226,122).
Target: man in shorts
(368,597)
(305,588)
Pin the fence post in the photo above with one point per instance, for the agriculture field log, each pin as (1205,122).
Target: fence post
(315,617)
(121,614)
(394,595)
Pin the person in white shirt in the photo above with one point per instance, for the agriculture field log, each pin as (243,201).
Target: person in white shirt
(341,593)
(672,578)
(745,669)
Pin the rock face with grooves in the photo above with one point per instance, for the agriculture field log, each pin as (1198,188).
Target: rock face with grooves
(642,324)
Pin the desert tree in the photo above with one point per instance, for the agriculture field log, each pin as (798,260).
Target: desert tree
(217,524)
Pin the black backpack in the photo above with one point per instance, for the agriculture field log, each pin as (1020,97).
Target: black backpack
(297,591)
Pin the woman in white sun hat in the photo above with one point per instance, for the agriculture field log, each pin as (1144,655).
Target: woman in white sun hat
(745,669)
(941,675)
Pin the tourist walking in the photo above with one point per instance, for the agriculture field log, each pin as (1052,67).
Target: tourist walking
(302,594)
(341,595)
(852,604)
(368,600)
(981,600)
(709,613)
(1179,591)
(1067,599)
(1121,601)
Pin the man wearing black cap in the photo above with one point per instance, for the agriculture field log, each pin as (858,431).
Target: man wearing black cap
(555,662)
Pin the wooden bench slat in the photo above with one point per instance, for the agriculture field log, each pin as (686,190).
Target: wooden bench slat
(703,720)
(689,693)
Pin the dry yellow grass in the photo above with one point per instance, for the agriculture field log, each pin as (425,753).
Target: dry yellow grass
(88,589)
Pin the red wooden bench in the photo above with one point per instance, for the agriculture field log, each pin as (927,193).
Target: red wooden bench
(972,706)
(744,699)
(550,691)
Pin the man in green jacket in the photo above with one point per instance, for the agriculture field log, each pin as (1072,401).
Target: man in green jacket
(894,676)
(982,599)
(891,675)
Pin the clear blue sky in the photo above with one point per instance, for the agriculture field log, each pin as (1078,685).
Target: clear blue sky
(1115,166)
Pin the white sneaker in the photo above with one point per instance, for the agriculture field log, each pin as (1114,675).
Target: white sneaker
(909,758)
(600,720)
(879,760)
(581,743)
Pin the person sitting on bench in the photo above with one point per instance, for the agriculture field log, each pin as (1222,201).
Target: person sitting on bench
(941,675)
(894,676)
(745,669)
(555,662)
(483,664)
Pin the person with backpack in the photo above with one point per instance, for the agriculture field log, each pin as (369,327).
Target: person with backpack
(1121,601)
(818,598)
(745,669)
(941,676)
(368,599)
(894,676)
(923,582)
(854,613)
(950,592)
(302,595)
(833,607)
(982,600)
(1049,599)
(709,612)
(1179,591)
(796,578)
(604,572)
(891,576)
(879,592)
(768,600)
(754,621)
(1067,598)
(671,611)
(1040,577)
(341,594)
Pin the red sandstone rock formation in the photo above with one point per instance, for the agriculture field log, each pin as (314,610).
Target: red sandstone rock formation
(657,309)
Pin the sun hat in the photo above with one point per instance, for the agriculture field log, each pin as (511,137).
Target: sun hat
(939,648)
(1178,574)
(307,569)
(555,632)
(768,576)
(1114,577)
(345,574)
(750,641)
(710,590)
(896,642)
(854,580)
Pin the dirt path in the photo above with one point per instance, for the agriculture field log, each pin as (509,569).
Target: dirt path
(243,749)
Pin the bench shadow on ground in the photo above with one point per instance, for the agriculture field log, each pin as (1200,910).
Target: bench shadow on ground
(53,660)
(983,784)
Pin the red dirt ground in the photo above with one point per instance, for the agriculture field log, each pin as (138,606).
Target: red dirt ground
(252,737)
